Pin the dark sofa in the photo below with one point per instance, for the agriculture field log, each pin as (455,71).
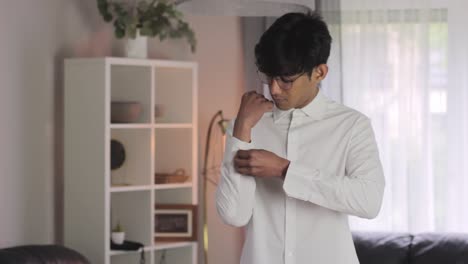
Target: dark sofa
(41,254)
(403,248)
(371,248)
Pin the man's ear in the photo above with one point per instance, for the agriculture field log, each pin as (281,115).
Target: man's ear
(320,72)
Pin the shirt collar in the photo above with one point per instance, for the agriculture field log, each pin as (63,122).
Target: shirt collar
(315,109)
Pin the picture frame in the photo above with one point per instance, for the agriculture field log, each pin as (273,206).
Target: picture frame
(175,222)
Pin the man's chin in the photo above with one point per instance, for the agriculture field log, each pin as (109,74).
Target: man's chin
(282,105)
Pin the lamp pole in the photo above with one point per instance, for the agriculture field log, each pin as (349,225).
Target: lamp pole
(205,180)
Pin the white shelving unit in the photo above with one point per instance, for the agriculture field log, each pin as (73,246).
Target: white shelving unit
(96,197)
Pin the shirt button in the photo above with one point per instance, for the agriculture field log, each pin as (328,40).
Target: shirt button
(290,253)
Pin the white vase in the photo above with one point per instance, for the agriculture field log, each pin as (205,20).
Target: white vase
(137,47)
(118,237)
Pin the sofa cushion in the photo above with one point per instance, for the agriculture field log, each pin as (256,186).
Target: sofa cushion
(41,254)
(381,247)
(439,248)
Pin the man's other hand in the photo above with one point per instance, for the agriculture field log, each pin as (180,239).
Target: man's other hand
(260,163)
(252,108)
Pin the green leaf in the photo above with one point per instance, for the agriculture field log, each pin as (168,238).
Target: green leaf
(118,228)
(146,29)
(132,32)
(119,33)
(155,18)
(153,3)
(178,13)
(145,32)
(103,8)
(108,17)
(174,34)
(142,5)
(121,9)
(128,19)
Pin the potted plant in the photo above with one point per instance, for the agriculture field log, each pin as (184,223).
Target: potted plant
(136,20)
(118,235)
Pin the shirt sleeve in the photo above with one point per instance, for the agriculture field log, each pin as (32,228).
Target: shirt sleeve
(359,192)
(235,193)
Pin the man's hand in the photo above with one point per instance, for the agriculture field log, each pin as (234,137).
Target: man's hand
(252,108)
(260,163)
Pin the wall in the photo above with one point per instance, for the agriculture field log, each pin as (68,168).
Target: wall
(221,86)
(35,37)
(32,38)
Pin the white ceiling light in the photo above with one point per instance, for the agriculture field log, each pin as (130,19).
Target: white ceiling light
(244,7)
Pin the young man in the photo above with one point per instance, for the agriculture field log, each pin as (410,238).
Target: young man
(295,168)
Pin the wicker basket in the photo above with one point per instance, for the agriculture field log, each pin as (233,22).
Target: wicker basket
(176,177)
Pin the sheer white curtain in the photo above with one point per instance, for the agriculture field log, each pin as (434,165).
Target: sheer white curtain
(405,65)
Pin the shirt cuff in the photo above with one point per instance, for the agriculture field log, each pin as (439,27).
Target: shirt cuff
(234,144)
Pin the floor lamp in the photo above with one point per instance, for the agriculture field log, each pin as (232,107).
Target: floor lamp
(222,123)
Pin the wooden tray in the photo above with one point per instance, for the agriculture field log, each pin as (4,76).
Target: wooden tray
(176,177)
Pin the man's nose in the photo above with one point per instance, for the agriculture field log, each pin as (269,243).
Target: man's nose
(274,88)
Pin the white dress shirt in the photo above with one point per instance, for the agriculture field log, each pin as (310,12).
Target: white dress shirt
(335,171)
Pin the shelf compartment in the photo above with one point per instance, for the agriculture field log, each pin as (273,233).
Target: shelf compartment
(126,252)
(128,257)
(173,151)
(173,95)
(168,186)
(170,245)
(133,83)
(133,211)
(173,196)
(131,188)
(158,246)
(136,168)
(130,126)
(141,125)
(175,125)
(181,253)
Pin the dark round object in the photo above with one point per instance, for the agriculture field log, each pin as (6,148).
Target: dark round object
(117,154)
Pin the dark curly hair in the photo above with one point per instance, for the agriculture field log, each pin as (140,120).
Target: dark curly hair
(295,43)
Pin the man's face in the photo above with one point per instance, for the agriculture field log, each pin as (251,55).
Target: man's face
(300,92)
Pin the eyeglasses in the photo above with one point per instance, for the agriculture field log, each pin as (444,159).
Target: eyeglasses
(284,82)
